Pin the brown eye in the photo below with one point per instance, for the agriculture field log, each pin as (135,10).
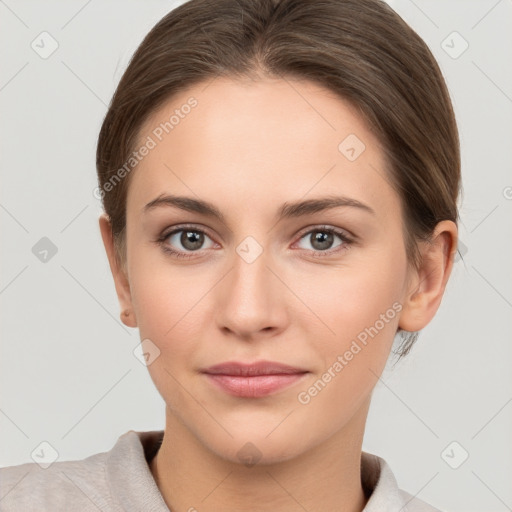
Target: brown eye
(185,240)
(323,240)
(191,240)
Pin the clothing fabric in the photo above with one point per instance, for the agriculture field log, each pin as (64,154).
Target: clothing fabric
(121,480)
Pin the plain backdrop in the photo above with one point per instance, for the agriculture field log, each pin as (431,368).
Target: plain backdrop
(68,374)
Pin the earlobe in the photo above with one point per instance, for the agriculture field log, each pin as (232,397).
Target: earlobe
(428,283)
(118,273)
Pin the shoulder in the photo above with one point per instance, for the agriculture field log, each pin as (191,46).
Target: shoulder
(117,480)
(64,485)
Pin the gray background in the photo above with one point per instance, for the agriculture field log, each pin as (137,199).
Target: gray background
(67,369)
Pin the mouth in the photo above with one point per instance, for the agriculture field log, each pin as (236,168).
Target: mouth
(253,380)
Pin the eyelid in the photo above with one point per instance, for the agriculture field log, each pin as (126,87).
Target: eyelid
(347,240)
(346,237)
(327,227)
(203,229)
(183,227)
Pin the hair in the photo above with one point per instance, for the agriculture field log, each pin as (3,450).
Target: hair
(362,50)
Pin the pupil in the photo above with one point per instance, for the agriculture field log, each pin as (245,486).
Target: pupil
(323,238)
(191,239)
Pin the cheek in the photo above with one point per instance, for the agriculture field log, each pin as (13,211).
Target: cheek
(170,313)
(168,303)
(362,310)
(352,298)
(165,294)
(363,314)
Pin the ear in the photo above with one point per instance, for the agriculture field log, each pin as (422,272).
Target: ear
(118,273)
(427,284)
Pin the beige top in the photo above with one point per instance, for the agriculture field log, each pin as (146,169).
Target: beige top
(121,480)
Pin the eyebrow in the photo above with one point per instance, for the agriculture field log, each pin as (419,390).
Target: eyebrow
(287,210)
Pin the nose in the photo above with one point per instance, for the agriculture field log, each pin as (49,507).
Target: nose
(251,300)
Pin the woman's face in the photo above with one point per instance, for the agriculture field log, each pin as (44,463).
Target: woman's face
(318,289)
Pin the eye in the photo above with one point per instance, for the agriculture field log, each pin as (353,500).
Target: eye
(183,240)
(321,240)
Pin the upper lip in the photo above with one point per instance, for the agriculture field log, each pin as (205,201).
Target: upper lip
(252,369)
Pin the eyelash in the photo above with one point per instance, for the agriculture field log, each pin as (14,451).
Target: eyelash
(347,241)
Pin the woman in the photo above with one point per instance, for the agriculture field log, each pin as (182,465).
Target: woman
(280,182)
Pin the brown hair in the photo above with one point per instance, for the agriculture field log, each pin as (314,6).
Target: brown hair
(360,49)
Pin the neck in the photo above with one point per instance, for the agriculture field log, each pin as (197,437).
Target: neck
(326,478)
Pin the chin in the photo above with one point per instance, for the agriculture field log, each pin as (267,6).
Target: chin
(259,451)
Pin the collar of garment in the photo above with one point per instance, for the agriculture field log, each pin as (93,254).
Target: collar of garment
(137,489)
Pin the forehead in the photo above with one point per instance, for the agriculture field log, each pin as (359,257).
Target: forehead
(256,111)
(234,137)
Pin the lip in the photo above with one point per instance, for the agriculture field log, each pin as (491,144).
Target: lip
(253,380)
(253,369)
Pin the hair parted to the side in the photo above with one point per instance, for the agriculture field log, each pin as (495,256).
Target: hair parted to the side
(361,50)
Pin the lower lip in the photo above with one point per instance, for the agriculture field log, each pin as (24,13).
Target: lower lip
(254,386)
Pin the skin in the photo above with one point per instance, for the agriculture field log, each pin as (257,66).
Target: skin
(248,147)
